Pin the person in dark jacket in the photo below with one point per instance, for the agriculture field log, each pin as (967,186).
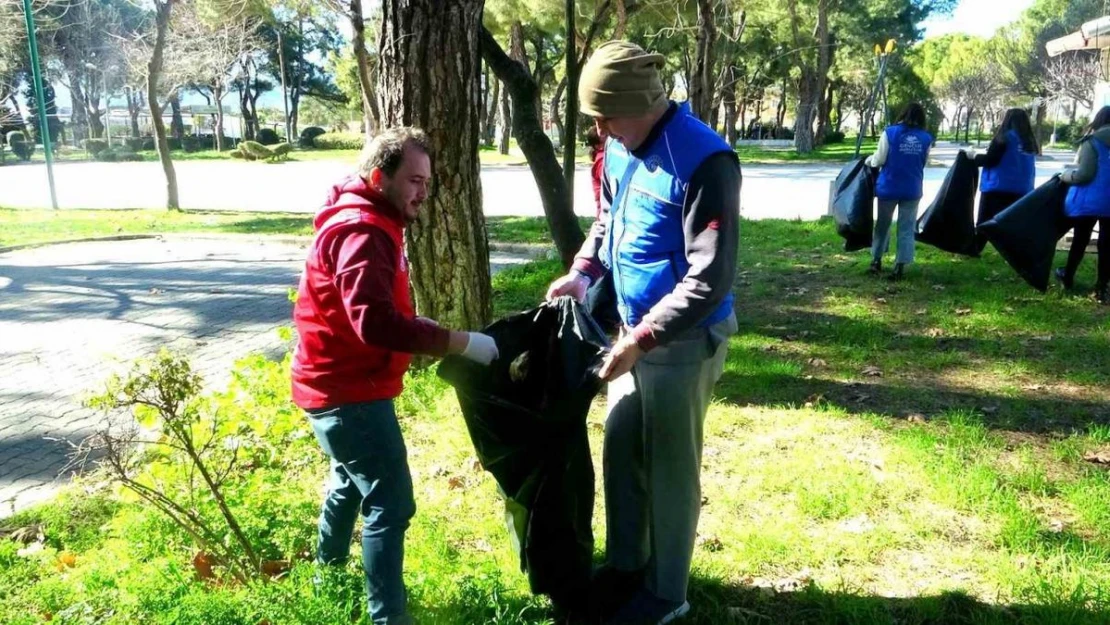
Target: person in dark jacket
(357,329)
(902,155)
(601,301)
(1088,204)
(668,234)
(1009,167)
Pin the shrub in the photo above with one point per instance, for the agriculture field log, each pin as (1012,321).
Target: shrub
(174,143)
(20,146)
(136,145)
(94,146)
(118,155)
(834,137)
(281,152)
(256,150)
(308,136)
(238,153)
(148,143)
(339,141)
(268,136)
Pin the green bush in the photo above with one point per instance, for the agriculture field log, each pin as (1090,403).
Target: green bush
(148,144)
(308,136)
(256,150)
(135,145)
(20,146)
(94,146)
(268,136)
(281,152)
(339,141)
(834,137)
(174,143)
(118,155)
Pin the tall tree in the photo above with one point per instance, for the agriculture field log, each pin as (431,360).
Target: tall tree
(308,38)
(428,76)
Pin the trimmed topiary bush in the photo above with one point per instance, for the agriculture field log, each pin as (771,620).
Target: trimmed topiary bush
(281,152)
(308,136)
(268,136)
(20,146)
(118,155)
(94,146)
(339,141)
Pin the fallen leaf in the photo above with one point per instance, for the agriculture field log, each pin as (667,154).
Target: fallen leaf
(202,565)
(456,482)
(920,312)
(917,418)
(704,501)
(817,362)
(814,400)
(597,427)
(712,544)
(66,560)
(934,333)
(1056,526)
(938,287)
(873,372)
(960,312)
(1098,457)
(475,465)
(1043,339)
(275,568)
(880,300)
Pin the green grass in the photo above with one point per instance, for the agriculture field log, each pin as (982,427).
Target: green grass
(21,227)
(838,152)
(950,489)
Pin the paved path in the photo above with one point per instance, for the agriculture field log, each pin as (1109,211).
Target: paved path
(769,191)
(72,314)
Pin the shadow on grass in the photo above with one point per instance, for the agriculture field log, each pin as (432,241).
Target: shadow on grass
(292,225)
(715,603)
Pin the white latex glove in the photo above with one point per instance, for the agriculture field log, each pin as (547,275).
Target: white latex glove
(480,348)
(573,284)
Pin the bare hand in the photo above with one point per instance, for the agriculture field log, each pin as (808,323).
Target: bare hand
(621,359)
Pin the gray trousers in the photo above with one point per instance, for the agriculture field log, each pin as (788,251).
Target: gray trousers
(652,457)
(907,230)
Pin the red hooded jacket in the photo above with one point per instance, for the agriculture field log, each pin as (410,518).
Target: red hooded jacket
(354,314)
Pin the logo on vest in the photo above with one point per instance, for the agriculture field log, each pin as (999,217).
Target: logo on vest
(653,163)
(911,145)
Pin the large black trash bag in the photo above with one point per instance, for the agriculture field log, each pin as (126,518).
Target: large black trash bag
(854,205)
(1026,233)
(526,414)
(949,223)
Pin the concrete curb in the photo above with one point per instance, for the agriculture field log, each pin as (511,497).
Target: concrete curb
(122,237)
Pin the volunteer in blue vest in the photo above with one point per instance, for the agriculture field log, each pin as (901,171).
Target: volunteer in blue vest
(1009,167)
(668,234)
(902,154)
(1088,204)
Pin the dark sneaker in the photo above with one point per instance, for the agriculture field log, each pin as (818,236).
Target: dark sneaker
(876,267)
(1062,277)
(647,609)
(611,588)
(898,273)
(1102,293)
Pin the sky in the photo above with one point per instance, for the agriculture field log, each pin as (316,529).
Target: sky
(977,17)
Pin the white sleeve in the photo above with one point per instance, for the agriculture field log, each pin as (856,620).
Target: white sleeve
(878,159)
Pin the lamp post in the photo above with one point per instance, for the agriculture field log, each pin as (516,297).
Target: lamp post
(40,99)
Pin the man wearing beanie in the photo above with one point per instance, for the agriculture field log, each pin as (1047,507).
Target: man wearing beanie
(668,234)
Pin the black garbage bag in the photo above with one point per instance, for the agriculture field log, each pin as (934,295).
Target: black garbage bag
(1026,234)
(854,205)
(526,414)
(949,222)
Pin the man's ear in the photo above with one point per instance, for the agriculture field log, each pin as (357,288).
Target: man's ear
(377,178)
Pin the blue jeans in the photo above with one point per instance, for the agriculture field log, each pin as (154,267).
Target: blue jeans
(369,475)
(907,230)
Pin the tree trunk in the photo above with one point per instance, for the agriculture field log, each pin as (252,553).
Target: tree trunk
(811,86)
(506,121)
(491,112)
(570,126)
(483,118)
(162,10)
(177,123)
(556,101)
(780,115)
(728,96)
(218,95)
(79,120)
(702,81)
(823,115)
(428,73)
(538,150)
(967,126)
(134,104)
(370,114)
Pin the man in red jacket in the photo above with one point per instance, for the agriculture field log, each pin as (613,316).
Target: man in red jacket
(358,332)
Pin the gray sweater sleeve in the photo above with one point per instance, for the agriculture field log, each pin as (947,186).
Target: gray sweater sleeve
(711,228)
(1087,159)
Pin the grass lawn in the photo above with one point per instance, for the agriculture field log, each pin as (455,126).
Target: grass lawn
(928,452)
(837,152)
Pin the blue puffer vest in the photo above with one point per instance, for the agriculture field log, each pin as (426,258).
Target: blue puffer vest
(644,245)
(1015,173)
(1093,198)
(902,176)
